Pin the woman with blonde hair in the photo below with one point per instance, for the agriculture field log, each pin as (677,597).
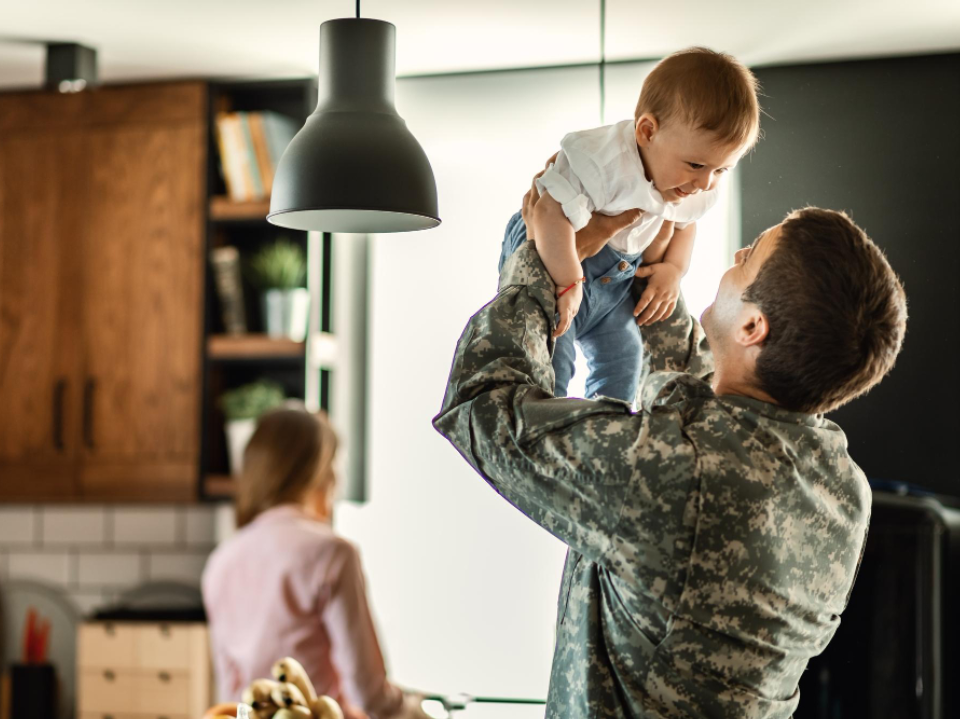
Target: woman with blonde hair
(286,585)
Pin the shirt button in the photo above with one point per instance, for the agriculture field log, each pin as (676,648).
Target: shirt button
(604,281)
(623,265)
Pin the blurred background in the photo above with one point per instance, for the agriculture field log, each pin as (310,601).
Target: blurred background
(149,314)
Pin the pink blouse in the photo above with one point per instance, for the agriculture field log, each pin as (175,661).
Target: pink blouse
(286,585)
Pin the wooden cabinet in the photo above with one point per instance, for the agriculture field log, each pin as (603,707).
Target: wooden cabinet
(39,319)
(143,670)
(143,273)
(102,212)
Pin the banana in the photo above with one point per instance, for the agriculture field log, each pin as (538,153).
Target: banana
(290,671)
(326,708)
(258,697)
(294,712)
(266,710)
(287,694)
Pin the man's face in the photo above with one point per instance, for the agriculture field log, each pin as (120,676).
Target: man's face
(681,160)
(723,317)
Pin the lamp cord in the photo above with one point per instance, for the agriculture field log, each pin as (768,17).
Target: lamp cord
(603,60)
(358,8)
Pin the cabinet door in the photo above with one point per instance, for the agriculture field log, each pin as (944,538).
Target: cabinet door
(142,317)
(39,310)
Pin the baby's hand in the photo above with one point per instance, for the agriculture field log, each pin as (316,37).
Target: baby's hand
(659,300)
(568,305)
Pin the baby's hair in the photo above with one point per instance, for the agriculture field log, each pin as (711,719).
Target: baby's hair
(709,90)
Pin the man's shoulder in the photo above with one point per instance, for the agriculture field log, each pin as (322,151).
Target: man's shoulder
(674,391)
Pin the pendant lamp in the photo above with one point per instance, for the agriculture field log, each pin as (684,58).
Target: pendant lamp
(354,167)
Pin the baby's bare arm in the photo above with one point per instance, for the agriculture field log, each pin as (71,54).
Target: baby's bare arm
(672,246)
(556,242)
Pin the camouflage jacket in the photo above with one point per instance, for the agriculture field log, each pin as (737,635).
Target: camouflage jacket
(713,541)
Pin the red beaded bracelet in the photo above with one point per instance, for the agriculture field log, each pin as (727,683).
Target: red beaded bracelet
(570,287)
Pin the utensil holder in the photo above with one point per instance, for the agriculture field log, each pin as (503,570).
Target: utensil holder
(33,691)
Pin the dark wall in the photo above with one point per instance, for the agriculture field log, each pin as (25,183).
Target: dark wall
(881,140)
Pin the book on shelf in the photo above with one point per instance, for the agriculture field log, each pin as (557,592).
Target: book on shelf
(251,145)
(260,150)
(226,273)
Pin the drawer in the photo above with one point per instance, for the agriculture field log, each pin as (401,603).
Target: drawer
(163,694)
(163,647)
(106,645)
(107,692)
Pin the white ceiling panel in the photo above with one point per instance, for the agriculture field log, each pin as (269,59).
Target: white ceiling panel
(762,32)
(145,39)
(139,39)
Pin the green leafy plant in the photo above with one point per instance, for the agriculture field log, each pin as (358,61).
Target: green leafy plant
(279,266)
(248,402)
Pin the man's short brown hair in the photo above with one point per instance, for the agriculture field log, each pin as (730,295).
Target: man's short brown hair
(837,312)
(708,90)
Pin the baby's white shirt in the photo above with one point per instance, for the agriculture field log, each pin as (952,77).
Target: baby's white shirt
(600,170)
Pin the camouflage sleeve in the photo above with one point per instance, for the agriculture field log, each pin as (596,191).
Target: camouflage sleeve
(675,344)
(568,464)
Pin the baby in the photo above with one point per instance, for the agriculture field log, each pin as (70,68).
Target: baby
(698,114)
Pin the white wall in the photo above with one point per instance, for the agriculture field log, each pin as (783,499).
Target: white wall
(463,586)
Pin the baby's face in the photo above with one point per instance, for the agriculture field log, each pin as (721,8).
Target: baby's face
(681,160)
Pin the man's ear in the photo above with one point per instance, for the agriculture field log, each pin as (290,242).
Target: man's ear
(754,327)
(645,129)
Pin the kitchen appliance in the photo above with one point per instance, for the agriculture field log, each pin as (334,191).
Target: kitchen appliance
(897,650)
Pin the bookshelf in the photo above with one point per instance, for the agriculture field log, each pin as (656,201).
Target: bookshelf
(233,360)
(223,209)
(252,346)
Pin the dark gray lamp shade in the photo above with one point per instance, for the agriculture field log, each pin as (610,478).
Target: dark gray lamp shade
(354,166)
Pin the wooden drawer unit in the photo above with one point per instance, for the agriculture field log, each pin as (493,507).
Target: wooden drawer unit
(163,694)
(106,645)
(106,692)
(167,647)
(146,670)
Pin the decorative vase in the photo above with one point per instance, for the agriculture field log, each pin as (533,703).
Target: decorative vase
(285,313)
(238,435)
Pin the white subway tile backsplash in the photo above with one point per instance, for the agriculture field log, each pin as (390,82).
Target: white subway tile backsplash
(89,602)
(47,567)
(17,525)
(116,569)
(200,527)
(73,526)
(142,526)
(182,567)
(93,553)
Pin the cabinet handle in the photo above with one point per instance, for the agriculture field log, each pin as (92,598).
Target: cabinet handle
(88,389)
(164,677)
(58,391)
(109,676)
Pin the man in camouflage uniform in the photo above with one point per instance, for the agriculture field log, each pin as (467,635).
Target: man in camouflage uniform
(715,534)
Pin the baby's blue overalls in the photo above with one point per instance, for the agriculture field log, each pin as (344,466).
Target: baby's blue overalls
(604,328)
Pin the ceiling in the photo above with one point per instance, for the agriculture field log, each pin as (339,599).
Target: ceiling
(143,39)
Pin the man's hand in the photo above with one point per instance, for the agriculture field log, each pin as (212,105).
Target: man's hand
(659,299)
(590,239)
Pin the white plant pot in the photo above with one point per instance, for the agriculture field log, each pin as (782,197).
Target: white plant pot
(285,313)
(238,435)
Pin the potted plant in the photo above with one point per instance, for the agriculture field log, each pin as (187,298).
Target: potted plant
(242,407)
(279,271)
